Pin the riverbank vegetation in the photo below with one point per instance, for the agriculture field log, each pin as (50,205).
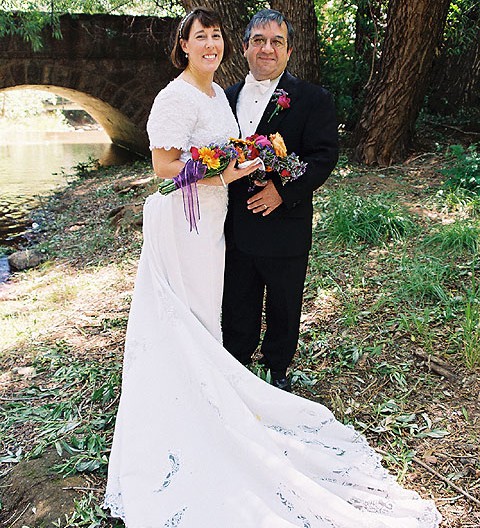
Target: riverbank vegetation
(390,337)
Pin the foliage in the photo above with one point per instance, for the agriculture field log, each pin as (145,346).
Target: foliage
(118,7)
(470,325)
(471,334)
(336,35)
(351,218)
(462,26)
(464,168)
(87,513)
(84,169)
(58,414)
(29,23)
(349,46)
(20,106)
(423,279)
(459,200)
(29,18)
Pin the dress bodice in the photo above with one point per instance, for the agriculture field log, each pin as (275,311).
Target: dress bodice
(182,116)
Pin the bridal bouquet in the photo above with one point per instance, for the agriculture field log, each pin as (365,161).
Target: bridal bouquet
(213,159)
(273,152)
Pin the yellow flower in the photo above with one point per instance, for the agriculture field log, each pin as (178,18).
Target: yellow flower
(237,140)
(278,145)
(207,156)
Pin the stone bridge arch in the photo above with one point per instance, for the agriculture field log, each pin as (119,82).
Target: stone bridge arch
(113,66)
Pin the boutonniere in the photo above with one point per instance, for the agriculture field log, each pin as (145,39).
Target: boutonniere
(281,100)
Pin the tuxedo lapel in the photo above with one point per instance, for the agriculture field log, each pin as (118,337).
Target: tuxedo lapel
(233,97)
(287,83)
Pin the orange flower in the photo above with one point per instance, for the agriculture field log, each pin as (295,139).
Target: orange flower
(241,155)
(209,157)
(278,145)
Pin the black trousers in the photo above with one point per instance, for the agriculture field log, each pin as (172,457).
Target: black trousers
(247,279)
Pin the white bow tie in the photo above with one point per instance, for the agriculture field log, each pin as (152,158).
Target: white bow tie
(263,86)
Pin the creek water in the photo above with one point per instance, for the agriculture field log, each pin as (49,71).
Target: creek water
(34,165)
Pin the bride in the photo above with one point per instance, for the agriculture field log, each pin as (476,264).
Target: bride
(200,442)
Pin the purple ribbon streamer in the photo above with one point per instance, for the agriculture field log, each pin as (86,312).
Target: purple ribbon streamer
(187,181)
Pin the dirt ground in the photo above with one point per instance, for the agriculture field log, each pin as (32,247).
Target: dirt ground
(446,469)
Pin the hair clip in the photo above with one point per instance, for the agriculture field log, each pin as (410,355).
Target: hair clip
(182,23)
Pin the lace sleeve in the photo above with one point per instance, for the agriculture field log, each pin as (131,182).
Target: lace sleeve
(172,119)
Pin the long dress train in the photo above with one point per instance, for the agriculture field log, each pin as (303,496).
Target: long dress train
(200,442)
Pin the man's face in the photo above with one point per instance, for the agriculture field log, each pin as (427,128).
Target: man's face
(267,50)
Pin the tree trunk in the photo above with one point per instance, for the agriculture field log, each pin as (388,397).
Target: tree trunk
(369,21)
(305,59)
(394,97)
(235,18)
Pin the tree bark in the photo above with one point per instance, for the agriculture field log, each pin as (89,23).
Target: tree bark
(235,18)
(395,95)
(305,59)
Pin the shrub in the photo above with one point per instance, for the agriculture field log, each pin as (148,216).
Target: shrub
(464,169)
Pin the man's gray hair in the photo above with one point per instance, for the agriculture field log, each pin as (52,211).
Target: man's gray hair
(262,18)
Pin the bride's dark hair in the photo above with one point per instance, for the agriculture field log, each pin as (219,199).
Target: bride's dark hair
(208,18)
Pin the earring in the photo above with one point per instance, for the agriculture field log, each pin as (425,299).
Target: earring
(186,55)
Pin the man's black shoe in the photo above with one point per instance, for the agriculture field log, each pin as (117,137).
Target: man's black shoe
(282,383)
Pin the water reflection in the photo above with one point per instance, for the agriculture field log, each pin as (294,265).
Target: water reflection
(39,164)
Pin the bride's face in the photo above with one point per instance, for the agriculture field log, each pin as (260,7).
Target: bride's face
(204,47)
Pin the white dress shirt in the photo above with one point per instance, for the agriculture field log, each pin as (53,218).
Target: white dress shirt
(252,101)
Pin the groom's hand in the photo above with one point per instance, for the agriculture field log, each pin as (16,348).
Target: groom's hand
(266,200)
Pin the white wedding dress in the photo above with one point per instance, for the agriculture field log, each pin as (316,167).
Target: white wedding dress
(201,442)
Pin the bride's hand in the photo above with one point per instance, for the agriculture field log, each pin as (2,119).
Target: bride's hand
(231,173)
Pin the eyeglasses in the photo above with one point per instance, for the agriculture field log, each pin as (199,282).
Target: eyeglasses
(260,42)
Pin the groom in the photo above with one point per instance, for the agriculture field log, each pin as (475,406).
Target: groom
(269,231)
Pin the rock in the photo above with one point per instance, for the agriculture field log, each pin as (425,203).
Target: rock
(126,185)
(36,496)
(22,260)
(27,372)
(126,216)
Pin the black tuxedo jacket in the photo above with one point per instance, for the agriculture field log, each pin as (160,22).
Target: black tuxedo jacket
(309,128)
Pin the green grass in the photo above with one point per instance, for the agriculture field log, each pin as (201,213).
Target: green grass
(458,237)
(423,279)
(349,218)
(420,328)
(471,334)
(87,513)
(470,325)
